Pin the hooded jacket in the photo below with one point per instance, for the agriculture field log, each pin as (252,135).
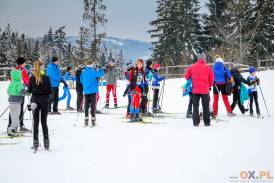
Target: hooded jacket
(202,77)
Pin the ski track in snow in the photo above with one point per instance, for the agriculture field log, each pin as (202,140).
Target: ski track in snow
(119,152)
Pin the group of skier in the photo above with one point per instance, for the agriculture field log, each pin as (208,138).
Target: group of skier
(44,90)
(201,78)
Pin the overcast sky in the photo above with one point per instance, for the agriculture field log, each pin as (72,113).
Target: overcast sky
(126,18)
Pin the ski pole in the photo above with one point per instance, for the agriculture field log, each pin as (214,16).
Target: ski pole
(264,101)
(4,111)
(162,95)
(148,103)
(81,104)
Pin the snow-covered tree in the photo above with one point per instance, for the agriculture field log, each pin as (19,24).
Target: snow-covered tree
(7,47)
(94,16)
(120,64)
(103,56)
(35,52)
(82,42)
(215,16)
(60,42)
(177,31)
(263,41)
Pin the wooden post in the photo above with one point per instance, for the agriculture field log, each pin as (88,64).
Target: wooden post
(166,71)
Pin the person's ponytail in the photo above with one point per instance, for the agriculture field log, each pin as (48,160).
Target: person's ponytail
(37,71)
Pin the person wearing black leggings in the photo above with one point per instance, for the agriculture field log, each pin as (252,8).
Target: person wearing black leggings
(89,79)
(40,88)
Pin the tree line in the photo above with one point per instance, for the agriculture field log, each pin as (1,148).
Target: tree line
(241,31)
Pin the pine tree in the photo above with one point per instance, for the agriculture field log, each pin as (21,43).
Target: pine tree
(35,53)
(103,56)
(82,45)
(120,64)
(60,42)
(95,17)
(8,48)
(263,41)
(70,57)
(239,30)
(46,50)
(177,30)
(216,17)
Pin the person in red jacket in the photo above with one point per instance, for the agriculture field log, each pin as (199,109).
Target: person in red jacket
(21,63)
(202,79)
(137,81)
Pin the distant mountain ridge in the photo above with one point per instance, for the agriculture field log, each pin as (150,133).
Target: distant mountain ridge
(132,49)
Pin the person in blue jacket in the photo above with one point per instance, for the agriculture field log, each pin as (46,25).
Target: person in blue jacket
(54,74)
(68,77)
(253,83)
(222,77)
(187,90)
(88,78)
(155,86)
(145,89)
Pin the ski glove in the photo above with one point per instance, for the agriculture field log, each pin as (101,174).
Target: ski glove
(33,106)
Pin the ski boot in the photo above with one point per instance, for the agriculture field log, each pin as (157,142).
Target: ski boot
(128,116)
(132,118)
(56,113)
(23,129)
(259,115)
(251,114)
(107,106)
(93,121)
(231,114)
(47,144)
(138,118)
(212,115)
(98,111)
(35,145)
(69,108)
(86,120)
(157,110)
(115,106)
(11,133)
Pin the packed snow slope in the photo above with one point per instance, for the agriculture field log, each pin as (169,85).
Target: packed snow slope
(118,152)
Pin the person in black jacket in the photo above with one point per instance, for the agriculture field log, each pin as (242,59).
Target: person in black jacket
(40,88)
(238,79)
(79,88)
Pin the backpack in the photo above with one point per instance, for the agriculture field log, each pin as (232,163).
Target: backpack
(16,86)
(228,84)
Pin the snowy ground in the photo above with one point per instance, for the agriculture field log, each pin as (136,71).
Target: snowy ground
(118,152)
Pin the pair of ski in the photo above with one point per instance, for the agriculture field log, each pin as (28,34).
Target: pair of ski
(9,143)
(22,135)
(143,122)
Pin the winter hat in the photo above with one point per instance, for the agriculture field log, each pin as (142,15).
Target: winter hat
(148,62)
(20,61)
(112,61)
(139,61)
(130,67)
(202,56)
(219,59)
(69,68)
(54,59)
(81,66)
(251,70)
(156,66)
